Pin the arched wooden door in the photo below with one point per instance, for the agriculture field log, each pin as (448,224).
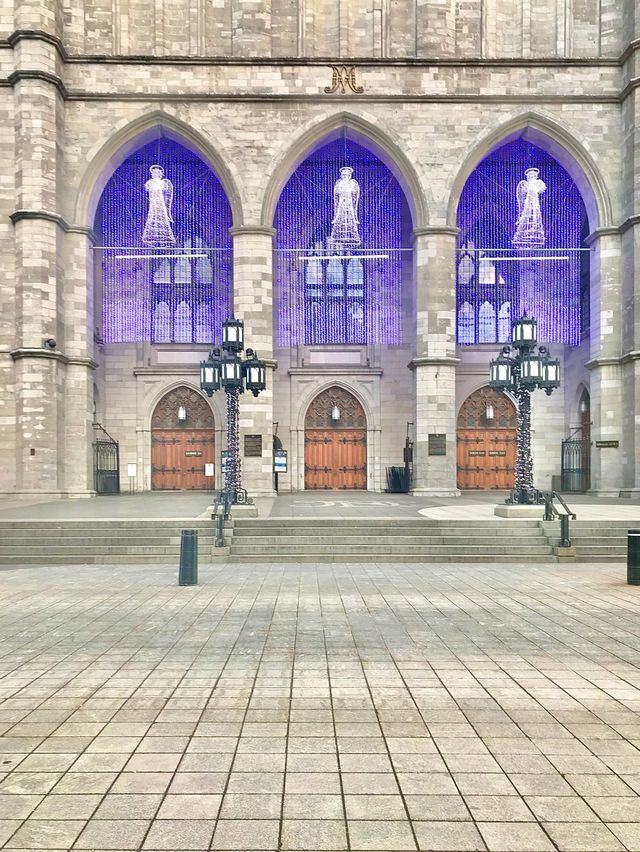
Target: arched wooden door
(180,449)
(335,442)
(487,431)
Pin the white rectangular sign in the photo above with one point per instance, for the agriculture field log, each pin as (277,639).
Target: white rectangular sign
(131,469)
(209,470)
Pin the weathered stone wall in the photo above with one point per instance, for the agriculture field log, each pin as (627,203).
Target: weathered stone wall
(345,28)
(424,107)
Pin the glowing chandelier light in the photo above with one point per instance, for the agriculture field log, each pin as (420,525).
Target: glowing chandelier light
(164,248)
(339,245)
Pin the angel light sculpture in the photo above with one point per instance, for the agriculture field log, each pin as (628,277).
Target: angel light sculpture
(346,195)
(157,229)
(529,228)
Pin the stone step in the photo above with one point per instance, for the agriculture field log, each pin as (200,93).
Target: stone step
(386,540)
(378,533)
(395,558)
(371,523)
(243,549)
(100,540)
(122,548)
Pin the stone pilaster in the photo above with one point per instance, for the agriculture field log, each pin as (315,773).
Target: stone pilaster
(606,385)
(79,370)
(253,303)
(434,363)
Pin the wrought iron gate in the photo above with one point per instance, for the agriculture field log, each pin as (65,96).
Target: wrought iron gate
(106,465)
(576,465)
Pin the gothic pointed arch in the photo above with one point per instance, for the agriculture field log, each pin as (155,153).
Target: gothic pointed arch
(163,223)
(371,135)
(335,441)
(108,155)
(560,143)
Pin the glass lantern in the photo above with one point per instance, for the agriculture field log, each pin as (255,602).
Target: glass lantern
(233,335)
(550,378)
(501,372)
(255,373)
(231,372)
(531,369)
(524,332)
(210,375)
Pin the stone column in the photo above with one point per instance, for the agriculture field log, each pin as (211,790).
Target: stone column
(39,370)
(80,365)
(607,410)
(253,303)
(435,363)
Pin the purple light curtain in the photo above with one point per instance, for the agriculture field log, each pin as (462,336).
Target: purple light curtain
(489,215)
(348,299)
(164,299)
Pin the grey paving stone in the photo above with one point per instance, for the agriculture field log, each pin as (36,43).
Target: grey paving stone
(448,836)
(506,837)
(176,835)
(582,837)
(113,834)
(314,834)
(381,835)
(246,834)
(46,834)
(128,806)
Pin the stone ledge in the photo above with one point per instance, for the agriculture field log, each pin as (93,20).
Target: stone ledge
(511,511)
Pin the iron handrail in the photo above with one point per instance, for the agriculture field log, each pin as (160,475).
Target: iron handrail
(550,513)
(221,513)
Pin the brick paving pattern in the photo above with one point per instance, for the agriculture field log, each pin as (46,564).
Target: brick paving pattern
(362,707)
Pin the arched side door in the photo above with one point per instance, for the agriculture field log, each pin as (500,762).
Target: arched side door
(486,441)
(182,442)
(335,442)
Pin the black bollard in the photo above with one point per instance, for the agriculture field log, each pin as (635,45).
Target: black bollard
(633,557)
(188,572)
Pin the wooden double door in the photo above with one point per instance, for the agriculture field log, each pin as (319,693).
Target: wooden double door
(180,450)
(487,441)
(335,442)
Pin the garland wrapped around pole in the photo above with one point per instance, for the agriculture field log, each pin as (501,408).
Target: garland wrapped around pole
(233,476)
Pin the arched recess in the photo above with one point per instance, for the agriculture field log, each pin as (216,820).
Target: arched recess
(368,134)
(182,441)
(554,138)
(343,270)
(486,441)
(137,133)
(524,210)
(335,441)
(163,265)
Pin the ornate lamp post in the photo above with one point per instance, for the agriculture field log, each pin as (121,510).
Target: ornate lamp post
(520,373)
(227,371)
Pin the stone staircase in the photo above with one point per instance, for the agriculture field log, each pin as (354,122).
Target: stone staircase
(322,540)
(411,540)
(596,541)
(105,542)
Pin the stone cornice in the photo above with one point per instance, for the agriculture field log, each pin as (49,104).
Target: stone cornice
(42,76)
(630,222)
(335,370)
(46,215)
(608,361)
(252,230)
(51,355)
(433,361)
(435,230)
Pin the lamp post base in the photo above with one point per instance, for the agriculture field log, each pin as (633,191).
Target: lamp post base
(525,497)
(519,511)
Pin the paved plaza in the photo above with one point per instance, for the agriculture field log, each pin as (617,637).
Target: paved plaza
(362,707)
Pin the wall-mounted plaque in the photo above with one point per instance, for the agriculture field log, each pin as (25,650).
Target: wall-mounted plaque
(477,453)
(252,446)
(602,444)
(437,444)
(193,453)
(497,452)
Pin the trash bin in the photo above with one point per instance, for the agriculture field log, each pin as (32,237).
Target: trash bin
(633,557)
(188,571)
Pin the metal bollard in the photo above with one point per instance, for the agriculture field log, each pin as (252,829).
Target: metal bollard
(565,541)
(188,571)
(633,557)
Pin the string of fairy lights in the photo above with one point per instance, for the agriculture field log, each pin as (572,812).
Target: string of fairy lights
(166,259)
(499,276)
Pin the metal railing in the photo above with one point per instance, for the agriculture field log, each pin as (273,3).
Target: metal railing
(221,513)
(551,513)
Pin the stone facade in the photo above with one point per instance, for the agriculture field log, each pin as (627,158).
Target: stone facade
(246,84)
